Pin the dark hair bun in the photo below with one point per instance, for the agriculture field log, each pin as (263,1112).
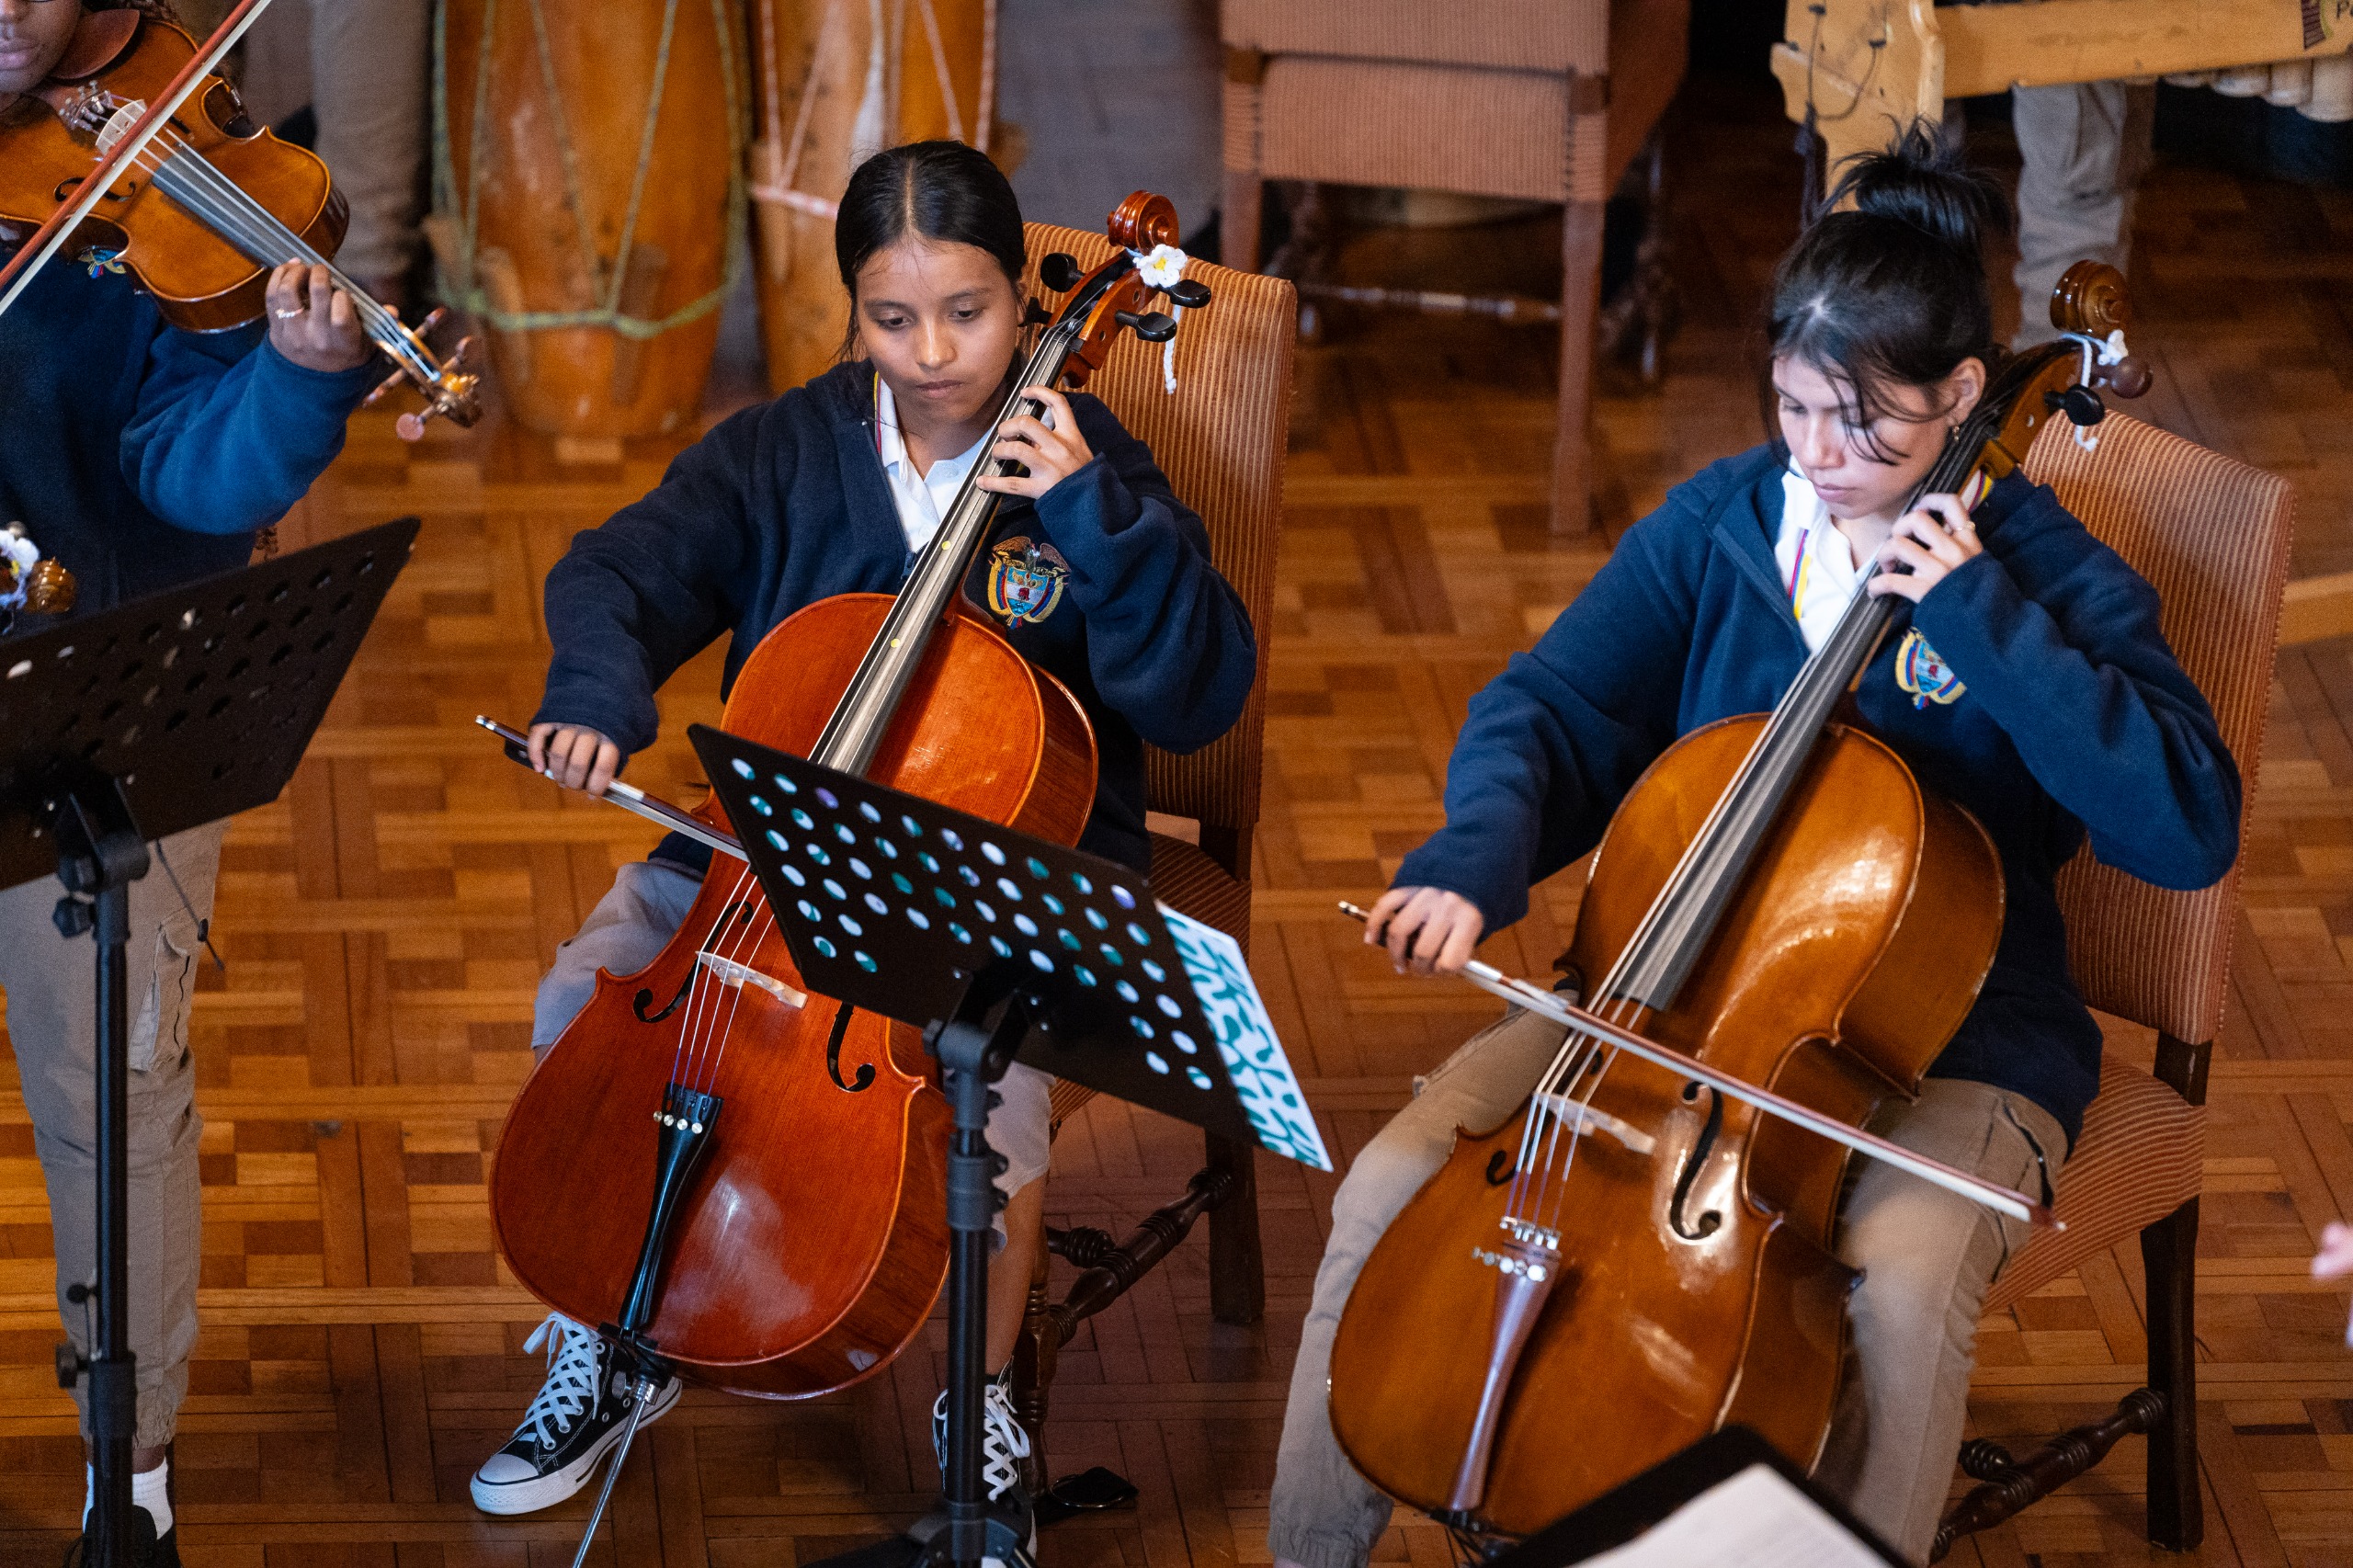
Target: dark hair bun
(1923,182)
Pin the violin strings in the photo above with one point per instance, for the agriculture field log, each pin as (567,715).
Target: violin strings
(192,180)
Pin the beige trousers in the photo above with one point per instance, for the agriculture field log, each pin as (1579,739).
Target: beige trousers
(1927,1257)
(53,1024)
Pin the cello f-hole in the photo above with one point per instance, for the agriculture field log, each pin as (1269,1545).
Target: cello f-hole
(1500,1167)
(644,999)
(1707,1223)
(833,1055)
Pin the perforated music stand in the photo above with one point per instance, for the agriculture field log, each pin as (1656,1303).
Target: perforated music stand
(1002,947)
(129,726)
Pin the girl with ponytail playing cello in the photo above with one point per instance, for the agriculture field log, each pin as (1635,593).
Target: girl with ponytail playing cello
(1094,572)
(2025,679)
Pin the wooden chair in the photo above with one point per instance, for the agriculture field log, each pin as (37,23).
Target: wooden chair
(1545,101)
(2212,535)
(1220,438)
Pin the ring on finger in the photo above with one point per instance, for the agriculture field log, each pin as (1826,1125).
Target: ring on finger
(286,315)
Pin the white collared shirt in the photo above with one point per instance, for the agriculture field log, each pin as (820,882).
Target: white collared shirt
(922,499)
(1817,562)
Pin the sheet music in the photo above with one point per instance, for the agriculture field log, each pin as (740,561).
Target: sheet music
(1756,1519)
(1246,1037)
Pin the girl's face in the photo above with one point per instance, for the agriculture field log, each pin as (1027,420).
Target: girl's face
(941,320)
(33,35)
(1866,472)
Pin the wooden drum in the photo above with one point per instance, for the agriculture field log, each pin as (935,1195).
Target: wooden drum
(836,81)
(587,165)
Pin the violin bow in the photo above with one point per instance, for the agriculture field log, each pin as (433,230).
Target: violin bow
(627,796)
(50,237)
(1536,999)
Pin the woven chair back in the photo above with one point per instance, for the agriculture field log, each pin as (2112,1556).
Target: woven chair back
(1220,438)
(2211,536)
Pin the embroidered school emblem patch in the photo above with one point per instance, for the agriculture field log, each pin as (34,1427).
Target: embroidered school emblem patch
(1026,580)
(1925,676)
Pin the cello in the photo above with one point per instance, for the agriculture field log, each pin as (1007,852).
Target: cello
(204,211)
(731,1172)
(1781,931)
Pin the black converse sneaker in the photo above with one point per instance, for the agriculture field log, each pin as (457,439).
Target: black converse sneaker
(573,1424)
(1004,1445)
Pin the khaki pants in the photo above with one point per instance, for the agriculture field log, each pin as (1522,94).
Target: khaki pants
(1926,1255)
(370,63)
(52,1025)
(2084,147)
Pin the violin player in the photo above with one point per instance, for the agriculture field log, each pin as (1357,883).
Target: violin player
(139,456)
(2025,679)
(1093,570)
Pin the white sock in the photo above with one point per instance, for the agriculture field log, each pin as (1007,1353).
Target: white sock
(147,1490)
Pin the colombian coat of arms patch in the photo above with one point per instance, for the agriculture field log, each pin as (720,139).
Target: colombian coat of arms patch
(1928,677)
(1026,580)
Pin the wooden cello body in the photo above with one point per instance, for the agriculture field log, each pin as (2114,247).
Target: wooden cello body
(739,1178)
(1701,1288)
(814,1237)
(1637,1256)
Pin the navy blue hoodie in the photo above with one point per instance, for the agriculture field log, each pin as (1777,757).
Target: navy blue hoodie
(2073,715)
(786,503)
(141,456)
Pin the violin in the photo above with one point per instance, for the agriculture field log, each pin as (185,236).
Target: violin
(1781,931)
(208,208)
(723,1167)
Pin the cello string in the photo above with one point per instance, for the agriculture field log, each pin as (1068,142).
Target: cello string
(689,1048)
(702,1004)
(755,931)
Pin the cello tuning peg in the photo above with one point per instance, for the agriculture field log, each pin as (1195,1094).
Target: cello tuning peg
(1059,272)
(2129,377)
(1189,292)
(2080,405)
(1037,315)
(398,378)
(1152,327)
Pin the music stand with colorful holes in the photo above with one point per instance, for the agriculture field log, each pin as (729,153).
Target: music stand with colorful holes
(1001,947)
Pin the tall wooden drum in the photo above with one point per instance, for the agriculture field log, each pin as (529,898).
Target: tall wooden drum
(835,81)
(588,162)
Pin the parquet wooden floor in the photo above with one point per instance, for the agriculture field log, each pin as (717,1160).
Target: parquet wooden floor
(386,921)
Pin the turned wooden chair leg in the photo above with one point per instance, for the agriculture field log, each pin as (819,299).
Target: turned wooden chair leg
(1237,1268)
(1580,302)
(2169,1254)
(1034,1354)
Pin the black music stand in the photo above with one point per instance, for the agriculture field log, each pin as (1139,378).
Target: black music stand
(1002,947)
(126,727)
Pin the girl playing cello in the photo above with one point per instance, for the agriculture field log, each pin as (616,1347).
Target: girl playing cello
(2024,679)
(833,489)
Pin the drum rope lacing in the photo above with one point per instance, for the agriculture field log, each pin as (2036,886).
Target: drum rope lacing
(467,292)
(781,187)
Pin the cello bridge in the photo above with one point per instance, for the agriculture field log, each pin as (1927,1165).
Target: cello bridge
(1581,1116)
(728,972)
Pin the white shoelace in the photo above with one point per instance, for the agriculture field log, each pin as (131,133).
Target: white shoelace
(1004,1445)
(570,1386)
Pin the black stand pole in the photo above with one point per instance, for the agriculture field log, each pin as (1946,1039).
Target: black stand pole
(99,854)
(971,1056)
(141,721)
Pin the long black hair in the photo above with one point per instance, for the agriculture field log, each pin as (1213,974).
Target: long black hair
(1891,291)
(935,190)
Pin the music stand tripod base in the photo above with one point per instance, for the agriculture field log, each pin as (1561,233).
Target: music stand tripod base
(125,727)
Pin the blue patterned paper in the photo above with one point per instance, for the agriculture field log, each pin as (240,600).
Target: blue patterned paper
(1246,1038)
